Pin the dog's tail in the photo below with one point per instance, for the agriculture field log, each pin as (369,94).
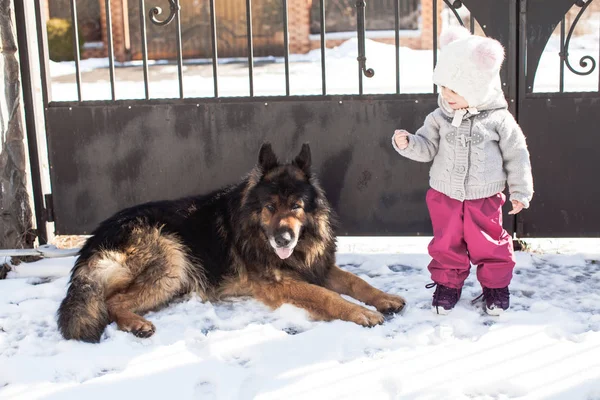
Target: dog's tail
(83,314)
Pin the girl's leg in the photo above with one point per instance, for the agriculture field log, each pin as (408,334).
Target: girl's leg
(490,246)
(450,263)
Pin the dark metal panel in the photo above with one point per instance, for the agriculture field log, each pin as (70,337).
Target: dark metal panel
(107,158)
(563,141)
(560,130)
(164,151)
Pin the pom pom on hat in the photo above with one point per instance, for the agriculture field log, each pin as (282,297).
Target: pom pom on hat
(489,54)
(452,34)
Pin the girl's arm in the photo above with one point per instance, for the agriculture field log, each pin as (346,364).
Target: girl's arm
(423,145)
(516,161)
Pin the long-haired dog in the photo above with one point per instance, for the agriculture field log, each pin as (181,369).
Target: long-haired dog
(270,237)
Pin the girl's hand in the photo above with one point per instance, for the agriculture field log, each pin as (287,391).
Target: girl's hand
(401,138)
(517,207)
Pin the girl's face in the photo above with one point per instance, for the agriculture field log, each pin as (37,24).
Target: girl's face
(455,100)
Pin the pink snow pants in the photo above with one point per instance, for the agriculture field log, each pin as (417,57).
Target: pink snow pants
(469,232)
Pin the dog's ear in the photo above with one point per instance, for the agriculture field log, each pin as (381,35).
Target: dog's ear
(303,160)
(267,160)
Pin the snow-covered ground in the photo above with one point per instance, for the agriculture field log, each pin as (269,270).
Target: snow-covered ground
(546,347)
(305,73)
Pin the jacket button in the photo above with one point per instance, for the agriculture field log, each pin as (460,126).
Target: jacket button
(461,168)
(459,193)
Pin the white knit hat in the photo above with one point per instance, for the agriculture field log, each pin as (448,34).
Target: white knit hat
(469,65)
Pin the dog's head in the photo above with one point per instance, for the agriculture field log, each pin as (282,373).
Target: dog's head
(283,197)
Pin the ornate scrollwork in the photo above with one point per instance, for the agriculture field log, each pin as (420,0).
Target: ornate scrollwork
(583,62)
(455,5)
(174,9)
(360,27)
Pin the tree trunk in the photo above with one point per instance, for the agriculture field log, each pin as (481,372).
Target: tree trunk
(15,210)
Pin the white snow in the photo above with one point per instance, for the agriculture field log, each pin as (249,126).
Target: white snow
(68,67)
(547,346)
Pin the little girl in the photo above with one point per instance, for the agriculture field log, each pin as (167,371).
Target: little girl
(476,147)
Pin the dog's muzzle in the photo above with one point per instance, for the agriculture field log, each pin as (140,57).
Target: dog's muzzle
(283,242)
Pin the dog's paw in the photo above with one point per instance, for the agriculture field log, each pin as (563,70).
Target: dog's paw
(366,317)
(389,303)
(139,327)
(145,331)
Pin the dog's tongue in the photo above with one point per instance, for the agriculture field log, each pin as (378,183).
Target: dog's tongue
(283,252)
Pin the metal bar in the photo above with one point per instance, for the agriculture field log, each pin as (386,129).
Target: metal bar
(250,46)
(270,99)
(126,27)
(471,23)
(30,120)
(521,78)
(360,26)
(76,47)
(362,57)
(40,25)
(213,28)
(323,48)
(360,80)
(111,54)
(522,81)
(286,47)
(144,47)
(179,51)
(435,27)
(397,31)
(512,58)
(561,79)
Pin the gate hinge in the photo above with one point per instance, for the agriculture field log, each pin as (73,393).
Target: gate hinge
(49,209)
(523,6)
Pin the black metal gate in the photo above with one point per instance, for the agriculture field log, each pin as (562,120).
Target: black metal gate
(562,129)
(106,155)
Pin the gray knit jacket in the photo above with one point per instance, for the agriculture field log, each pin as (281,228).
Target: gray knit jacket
(476,159)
